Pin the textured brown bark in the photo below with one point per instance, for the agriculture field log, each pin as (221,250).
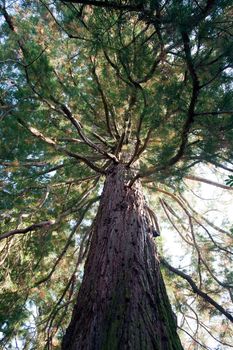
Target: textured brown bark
(122,303)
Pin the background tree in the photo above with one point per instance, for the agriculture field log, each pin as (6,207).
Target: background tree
(81,86)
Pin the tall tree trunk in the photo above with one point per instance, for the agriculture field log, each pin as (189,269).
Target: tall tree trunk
(122,303)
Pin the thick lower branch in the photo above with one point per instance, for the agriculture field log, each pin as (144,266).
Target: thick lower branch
(196,290)
(34,227)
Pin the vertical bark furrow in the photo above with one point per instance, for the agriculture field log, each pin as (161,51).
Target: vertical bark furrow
(122,303)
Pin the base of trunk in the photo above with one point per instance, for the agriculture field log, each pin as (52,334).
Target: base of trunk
(122,303)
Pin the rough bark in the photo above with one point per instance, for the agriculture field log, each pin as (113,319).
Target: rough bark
(122,303)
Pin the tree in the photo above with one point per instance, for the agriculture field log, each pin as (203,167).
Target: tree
(99,99)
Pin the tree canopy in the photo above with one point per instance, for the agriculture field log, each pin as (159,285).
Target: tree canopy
(82,84)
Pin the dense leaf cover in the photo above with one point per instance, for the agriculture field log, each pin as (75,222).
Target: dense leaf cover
(81,86)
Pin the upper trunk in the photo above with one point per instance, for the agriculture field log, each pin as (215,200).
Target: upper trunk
(122,303)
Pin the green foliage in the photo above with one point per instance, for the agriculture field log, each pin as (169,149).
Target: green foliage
(229,181)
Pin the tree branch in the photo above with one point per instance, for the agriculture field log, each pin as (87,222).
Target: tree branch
(78,127)
(68,242)
(196,290)
(104,99)
(43,224)
(190,113)
(109,5)
(52,143)
(209,182)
